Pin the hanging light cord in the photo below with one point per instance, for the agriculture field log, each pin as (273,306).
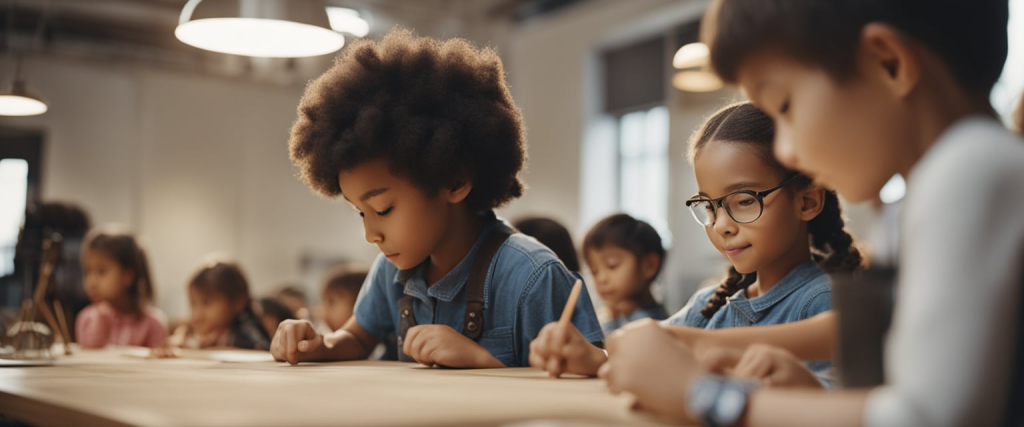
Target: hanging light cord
(36,38)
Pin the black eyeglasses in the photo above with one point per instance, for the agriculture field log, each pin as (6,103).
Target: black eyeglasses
(743,206)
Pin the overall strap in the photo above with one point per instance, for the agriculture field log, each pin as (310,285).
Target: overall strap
(473,322)
(405,322)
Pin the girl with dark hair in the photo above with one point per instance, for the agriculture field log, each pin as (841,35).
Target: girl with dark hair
(116,278)
(222,311)
(781,233)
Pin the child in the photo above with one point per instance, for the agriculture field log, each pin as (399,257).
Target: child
(768,221)
(422,138)
(768,240)
(116,279)
(806,340)
(861,90)
(553,235)
(625,255)
(221,311)
(339,296)
(271,313)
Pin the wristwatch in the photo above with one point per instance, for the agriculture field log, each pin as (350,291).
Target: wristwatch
(719,401)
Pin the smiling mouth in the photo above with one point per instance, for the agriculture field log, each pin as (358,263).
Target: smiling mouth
(736,250)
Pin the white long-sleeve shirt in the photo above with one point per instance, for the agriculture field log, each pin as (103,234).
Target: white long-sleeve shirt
(951,347)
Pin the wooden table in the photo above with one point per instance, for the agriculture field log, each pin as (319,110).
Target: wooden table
(110,387)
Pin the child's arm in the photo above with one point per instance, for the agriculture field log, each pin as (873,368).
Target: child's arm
(658,371)
(808,339)
(800,407)
(771,366)
(298,341)
(560,348)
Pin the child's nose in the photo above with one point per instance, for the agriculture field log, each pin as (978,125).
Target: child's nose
(372,235)
(724,225)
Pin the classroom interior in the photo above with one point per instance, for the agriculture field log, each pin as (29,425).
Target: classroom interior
(187,149)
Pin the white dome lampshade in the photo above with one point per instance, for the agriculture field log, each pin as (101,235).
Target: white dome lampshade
(19,99)
(260,28)
(692,59)
(691,55)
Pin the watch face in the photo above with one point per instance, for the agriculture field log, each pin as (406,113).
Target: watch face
(704,396)
(730,405)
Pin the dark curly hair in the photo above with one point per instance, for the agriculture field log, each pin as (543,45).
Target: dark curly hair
(831,245)
(440,112)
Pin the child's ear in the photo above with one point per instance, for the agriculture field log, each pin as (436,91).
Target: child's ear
(811,201)
(457,193)
(890,57)
(649,266)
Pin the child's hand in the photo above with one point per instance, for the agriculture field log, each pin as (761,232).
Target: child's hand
(562,349)
(440,345)
(773,366)
(646,361)
(295,338)
(164,353)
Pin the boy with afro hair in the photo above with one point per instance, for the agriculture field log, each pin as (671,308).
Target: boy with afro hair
(422,138)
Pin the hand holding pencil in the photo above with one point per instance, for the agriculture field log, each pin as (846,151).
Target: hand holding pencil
(560,348)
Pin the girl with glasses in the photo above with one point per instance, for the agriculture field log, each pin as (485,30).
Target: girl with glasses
(781,233)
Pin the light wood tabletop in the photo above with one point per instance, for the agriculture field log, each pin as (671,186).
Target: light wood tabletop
(120,387)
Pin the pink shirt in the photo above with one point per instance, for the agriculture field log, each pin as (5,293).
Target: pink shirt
(99,325)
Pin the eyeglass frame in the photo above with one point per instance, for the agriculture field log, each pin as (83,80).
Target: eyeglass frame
(717,202)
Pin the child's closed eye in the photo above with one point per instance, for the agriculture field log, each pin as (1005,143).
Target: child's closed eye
(385,212)
(784,108)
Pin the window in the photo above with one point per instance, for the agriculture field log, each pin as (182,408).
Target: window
(1007,91)
(13,196)
(626,151)
(643,168)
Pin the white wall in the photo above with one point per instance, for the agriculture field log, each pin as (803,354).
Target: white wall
(194,164)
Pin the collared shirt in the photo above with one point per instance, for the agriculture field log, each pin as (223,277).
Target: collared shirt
(100,324)
(654,311)
(526,287)
(804,292)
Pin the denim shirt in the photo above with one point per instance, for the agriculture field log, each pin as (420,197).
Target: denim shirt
(526,287)
(804,292)
(654,311)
